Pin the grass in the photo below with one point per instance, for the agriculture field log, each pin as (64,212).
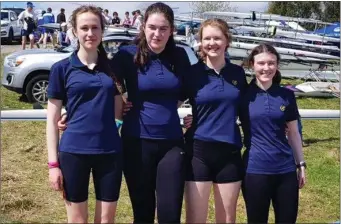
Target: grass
(26,196)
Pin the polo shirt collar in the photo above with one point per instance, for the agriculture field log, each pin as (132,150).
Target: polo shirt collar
(154,55)
(272,88)
(207,69)
(76,62)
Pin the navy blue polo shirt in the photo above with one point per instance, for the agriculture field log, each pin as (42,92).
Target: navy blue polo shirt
(264,115)
(154,91)
(215,101)
(89,95)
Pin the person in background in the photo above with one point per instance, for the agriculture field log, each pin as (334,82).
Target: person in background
(91,143)
(107,17)
(61,16)
(70,38)
(40,29)
(61,38)
(29,20)
(213,142)
(116,21)
(275,163)
(138,20)
(126,22)
(133,13)
(48,18)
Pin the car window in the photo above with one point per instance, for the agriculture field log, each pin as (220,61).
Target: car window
(4,15)
(14,15)
(16,10)
(112,45)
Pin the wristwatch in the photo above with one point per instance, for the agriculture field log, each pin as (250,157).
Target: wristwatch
(302,163)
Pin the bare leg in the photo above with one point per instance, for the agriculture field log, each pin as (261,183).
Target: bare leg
(225,197)
(196,198)
(31,36)
(77,212)
(105,212)
(23,42)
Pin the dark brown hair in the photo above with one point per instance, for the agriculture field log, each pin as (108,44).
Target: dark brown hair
(103,61)
(219,23)
(265,48)
(141,57)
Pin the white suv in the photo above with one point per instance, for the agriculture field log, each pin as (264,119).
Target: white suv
(9,26)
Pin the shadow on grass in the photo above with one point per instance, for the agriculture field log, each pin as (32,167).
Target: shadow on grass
(21,204)
(23,98)
(315,140)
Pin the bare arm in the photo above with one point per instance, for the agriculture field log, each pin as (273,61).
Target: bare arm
(20,18)
(295,140)
(118,107)
(54,107)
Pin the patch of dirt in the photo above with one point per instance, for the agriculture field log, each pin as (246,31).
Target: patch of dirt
(7,49)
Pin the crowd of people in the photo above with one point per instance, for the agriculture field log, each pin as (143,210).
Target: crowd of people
(161,165)
(64,36)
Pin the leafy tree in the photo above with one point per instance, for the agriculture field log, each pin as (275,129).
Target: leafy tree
(201,7)
(326,11)
(331,11)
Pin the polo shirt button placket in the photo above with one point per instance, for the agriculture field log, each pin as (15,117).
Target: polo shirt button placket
(221,83)
(99,77)
(160,74)
(267,102)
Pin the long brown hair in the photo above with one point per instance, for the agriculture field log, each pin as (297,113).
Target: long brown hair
(103,61)
(141,57)
(265,48)
(220,24)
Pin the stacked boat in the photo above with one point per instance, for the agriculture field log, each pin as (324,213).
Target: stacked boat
(304,54)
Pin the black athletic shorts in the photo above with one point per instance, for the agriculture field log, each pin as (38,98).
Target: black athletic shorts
(218,162)
(106,171)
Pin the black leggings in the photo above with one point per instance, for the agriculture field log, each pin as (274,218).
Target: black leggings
(281,189)
(155,168)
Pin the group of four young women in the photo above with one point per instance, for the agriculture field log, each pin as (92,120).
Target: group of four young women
(157,164)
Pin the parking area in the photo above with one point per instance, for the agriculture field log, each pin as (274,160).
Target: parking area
(6,49)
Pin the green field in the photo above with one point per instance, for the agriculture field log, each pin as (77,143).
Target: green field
(26,197)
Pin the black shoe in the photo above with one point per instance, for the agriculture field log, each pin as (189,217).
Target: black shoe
(37,44)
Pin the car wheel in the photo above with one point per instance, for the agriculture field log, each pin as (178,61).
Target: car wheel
(36,89)
(10,36)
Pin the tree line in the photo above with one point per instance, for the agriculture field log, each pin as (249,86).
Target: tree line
(325,11)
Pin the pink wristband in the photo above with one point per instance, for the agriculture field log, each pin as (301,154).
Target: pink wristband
(53,165)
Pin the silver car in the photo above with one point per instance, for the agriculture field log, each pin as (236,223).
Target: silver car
(27,72)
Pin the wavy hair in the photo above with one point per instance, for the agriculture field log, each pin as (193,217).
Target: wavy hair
(220,24)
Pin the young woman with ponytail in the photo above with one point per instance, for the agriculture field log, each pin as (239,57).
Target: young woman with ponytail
(91,142)
(275,165)
(154,159)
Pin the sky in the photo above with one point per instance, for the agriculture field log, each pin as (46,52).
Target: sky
(121,7)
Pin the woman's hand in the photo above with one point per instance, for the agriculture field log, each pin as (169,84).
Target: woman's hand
(56,179)
(62,122)
(188,121)
(301,177)
(126,107)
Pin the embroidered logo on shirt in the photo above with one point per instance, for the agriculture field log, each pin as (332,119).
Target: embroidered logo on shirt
(234,82)
(282,108)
